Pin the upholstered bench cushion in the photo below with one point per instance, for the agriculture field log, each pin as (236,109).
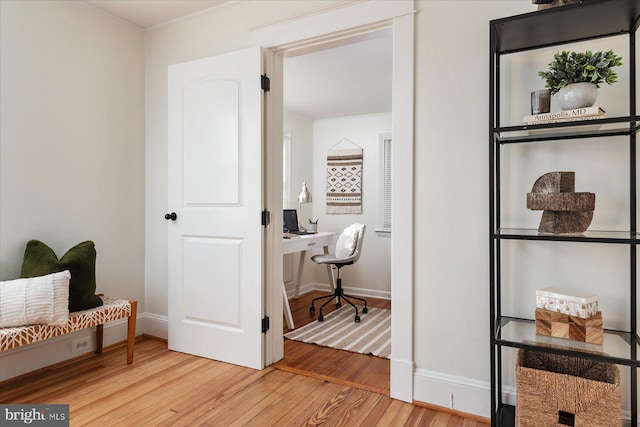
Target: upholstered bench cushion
(112,309)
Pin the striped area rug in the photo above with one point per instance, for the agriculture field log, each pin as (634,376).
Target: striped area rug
(371,336)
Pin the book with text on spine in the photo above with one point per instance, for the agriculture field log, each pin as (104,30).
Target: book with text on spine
(570,119)
(594,112)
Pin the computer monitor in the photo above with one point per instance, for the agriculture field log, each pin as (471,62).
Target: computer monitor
(290,219)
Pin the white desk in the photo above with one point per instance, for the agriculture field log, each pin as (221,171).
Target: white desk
(302,244)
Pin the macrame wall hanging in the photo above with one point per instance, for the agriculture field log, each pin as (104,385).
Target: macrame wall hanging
(344,178)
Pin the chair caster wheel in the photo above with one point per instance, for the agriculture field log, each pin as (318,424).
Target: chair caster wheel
(357,319)
(321,318)
(312,310)
(365,310)
(338,305)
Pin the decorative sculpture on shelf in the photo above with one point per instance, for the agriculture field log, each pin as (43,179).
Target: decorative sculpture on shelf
(547,4)
(564,210)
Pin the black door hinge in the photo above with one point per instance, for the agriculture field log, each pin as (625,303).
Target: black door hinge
(265,324)
(265,82)
(266,217)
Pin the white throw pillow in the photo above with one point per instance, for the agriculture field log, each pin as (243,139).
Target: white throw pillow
(36,300)
(348,241)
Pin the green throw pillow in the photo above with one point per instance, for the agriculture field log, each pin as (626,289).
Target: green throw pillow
(80,260)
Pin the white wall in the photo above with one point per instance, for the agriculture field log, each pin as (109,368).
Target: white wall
(371,275)
(451,184)
(72,141)
(451,194)
(311,140)
(300,130)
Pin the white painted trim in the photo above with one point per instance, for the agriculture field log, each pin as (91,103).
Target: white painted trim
(469,395)
(155,325)
(340,24)
(352,19)
(272,193)
(402,305)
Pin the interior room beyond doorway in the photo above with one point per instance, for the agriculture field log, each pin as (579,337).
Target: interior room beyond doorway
(328,97)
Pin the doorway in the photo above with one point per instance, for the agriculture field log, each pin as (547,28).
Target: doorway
(338,93)
(331,27)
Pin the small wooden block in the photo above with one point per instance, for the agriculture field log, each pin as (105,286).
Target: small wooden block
(543,327)
(594,335)
(551,316)
(556,316)
(543,315)
(594,321)
(576,333)
(559,325)
(560,330)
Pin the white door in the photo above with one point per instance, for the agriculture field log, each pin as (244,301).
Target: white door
(215,243)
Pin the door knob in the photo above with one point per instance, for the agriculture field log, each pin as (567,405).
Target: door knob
(172,216)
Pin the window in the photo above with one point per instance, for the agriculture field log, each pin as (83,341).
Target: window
(384,184)
(286,171)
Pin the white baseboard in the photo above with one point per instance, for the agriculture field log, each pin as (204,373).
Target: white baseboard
(361,292)
(449,391)
(401,388)
(156,325)
(469,396)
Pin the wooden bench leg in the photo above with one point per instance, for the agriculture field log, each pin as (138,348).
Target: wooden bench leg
(99,338)
(131,331)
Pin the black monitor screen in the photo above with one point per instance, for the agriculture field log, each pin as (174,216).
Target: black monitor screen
(290,219)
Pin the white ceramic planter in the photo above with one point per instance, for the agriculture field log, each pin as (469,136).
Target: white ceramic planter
(577,95)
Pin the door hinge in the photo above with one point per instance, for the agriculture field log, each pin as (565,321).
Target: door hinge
(265,324)
(265,82)
(266,217)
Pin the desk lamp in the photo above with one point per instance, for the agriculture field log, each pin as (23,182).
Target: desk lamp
(303,197)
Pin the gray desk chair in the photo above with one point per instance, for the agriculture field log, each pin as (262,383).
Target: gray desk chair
(348,250)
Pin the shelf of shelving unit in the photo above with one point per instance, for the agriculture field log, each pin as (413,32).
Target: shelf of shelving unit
(589,236)
(587,20)
(617,346)
(616,126)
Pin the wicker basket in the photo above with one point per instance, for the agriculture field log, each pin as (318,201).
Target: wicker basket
(555,390)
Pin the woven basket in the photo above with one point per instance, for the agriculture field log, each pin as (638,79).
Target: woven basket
(555,390)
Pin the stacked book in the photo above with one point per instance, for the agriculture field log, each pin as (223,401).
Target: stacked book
(575,115)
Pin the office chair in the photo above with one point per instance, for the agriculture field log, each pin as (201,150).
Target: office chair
(348,250)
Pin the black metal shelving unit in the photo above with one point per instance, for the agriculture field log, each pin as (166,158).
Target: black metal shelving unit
(589,19)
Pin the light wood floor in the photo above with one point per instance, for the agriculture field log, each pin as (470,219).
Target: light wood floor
(166,388)
(357,370)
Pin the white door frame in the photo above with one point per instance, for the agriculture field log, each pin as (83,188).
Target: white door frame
(331,26)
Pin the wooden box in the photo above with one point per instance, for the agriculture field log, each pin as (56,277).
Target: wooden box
(560,325)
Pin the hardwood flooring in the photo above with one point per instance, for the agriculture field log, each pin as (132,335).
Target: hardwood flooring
(343,367)
(167,388)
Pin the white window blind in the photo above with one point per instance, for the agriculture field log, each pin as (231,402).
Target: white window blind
(385,195)
(286,171)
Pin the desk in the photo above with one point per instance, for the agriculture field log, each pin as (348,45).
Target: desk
(302,244)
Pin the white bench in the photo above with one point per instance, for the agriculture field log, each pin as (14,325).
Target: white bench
(112,309)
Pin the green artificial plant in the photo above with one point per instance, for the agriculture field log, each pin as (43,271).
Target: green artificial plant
(572,67)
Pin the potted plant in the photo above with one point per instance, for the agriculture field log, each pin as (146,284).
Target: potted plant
(576,77)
